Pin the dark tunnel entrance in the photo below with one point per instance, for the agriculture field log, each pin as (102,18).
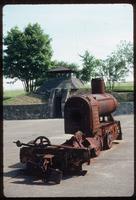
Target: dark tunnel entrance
(57,107)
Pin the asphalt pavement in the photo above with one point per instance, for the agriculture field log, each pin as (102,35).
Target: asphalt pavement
(109,175)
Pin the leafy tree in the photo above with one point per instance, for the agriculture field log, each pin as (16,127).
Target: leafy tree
(27,55)
(115,70)
(124,51)
(118,64)
(65,64)
(72,66)
(90,64)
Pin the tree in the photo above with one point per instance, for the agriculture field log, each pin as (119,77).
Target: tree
(118,64)
(125,52)
(115,70)
(90,64)
(72,66)
(27,55)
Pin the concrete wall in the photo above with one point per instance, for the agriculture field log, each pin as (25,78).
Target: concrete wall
(40,111)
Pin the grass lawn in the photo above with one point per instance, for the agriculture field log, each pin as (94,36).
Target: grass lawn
(127,86)
(13,93)
(20,97)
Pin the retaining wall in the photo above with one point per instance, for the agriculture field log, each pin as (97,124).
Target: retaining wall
(40,111)
(15,112)
(125,108)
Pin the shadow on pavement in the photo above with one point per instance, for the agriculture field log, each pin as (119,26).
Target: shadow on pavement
(17,165)
(22,176)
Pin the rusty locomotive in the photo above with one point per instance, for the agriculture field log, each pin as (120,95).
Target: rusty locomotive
(88,117)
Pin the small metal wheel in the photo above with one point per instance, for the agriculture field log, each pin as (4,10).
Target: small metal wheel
(42,141)
(107,144)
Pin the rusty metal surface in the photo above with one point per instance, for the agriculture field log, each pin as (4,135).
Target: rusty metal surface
(82,112)
(77,114)
(89,119)
(50,161)
(106,103)
(98,86)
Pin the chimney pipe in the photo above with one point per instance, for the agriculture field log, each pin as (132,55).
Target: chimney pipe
(98,86)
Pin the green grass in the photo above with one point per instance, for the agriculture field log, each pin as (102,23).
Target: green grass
(13,93)
(122,91)
(127,86)
(9,96)
(20,97)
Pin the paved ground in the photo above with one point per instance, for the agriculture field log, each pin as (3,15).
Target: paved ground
(110,174)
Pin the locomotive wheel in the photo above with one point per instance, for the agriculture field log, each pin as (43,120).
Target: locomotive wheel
(42,141)
(107,143)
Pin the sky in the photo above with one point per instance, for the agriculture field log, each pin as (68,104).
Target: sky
(97,28)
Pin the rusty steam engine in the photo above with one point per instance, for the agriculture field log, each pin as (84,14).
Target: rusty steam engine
(89,118)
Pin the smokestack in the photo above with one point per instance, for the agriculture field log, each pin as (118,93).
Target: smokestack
(98,86)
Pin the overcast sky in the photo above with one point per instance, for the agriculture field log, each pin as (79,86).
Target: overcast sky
(75,28)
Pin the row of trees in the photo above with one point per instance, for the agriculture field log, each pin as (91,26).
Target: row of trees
(28,56)
(113,69)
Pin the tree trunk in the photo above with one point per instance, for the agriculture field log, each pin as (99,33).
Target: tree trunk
(30,85)
(113,84)
(27,86)
(110,85)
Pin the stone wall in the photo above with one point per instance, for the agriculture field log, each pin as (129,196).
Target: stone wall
(15,112)
(40,111)
(125,108)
